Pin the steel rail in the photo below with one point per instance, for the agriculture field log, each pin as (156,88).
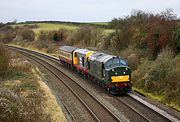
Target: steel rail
(92,96)
(166,115)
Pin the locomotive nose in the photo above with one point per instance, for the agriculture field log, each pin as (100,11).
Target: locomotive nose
(121,70)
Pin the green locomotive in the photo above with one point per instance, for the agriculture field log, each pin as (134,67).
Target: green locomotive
(110,71)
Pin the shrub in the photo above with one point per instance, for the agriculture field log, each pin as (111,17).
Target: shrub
(4,60)
(55,35)
(86,36)
(133,61)
(158,71)
(176,39)
(26,34)
(31,26)
(160,76)
(7,34)
(60,35)
(42,36)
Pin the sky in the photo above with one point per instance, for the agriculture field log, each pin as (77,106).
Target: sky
(79,10)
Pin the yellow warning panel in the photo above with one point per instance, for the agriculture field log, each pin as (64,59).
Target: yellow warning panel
(121,78)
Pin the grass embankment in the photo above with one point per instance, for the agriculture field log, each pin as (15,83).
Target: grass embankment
(24,96)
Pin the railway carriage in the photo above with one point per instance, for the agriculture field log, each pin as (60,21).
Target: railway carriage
(66,54)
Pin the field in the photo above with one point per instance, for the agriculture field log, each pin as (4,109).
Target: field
(50,26)
(99,23)
(56,26)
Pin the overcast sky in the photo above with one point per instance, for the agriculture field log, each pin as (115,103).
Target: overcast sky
(79,10)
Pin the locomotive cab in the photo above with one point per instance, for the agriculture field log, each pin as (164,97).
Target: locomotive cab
(118,75)
(111,71)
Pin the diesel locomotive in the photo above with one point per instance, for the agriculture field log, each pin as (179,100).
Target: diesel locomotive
(109,71)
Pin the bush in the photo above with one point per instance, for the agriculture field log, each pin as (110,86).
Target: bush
(176,39)
(59,35)
(158,71)
(160,76)
(86,36)
(31,26)
(4,60)
(7,34)
(26,34)
(133,61)
(55,35)
(42,36)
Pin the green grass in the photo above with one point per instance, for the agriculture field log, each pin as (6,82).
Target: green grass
(56,26)
(50,26)
(107,31)
(99,23)
(157,97)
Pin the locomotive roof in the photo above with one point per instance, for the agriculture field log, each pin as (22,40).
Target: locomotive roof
(82,51)
(101,57)
(67,48)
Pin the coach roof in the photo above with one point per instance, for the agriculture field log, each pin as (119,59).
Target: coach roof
(83,51)
(67,48)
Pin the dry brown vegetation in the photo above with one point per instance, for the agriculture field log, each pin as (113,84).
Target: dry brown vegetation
(4,60)
(22,97)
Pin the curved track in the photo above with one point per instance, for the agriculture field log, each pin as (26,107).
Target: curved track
(98,110)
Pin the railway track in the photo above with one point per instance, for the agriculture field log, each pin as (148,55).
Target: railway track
(98,110)
(140,110)
(97,114)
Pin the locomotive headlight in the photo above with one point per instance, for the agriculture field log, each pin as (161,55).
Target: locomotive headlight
(124,73)
(126,68)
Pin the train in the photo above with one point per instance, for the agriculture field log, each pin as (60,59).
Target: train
(108,71)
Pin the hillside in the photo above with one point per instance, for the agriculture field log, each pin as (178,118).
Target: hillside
(24,96)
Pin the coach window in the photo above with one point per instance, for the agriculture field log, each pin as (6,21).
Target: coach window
(75,54)
(103,70)
(88,63)
(82,61)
